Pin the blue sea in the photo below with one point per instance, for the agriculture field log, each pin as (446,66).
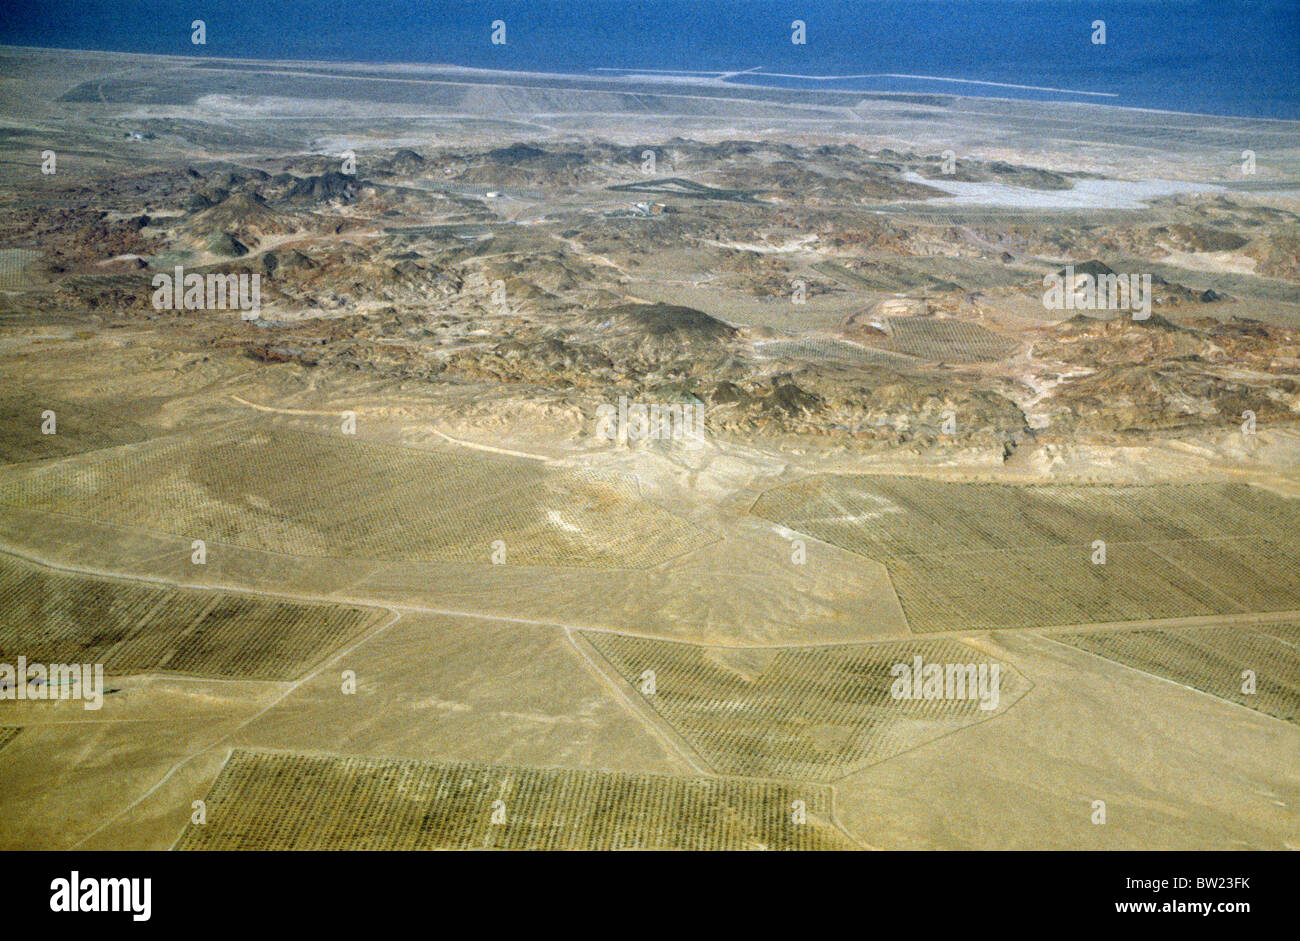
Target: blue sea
(1226,57)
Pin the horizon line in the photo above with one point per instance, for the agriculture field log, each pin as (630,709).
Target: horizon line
(589,75)
(758,70)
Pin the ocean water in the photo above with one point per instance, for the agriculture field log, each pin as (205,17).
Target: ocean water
(1227,57)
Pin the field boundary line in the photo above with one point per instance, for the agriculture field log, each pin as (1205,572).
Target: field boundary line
(1172,682)
(1207,620)
(898,600)
(658,725)
(862,769)
(1196,620)
(158,581)
(397,616)
(834,815)
(406,607)
(118,527)
(171,848)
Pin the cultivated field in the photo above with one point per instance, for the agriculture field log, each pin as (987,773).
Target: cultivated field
(117,375)
(1289,633)
(831,351)
(287,801)
(13,264)
(1211,659)
(947,341)
(308,494)
(814,713)
(56,617)
(995,555)
(74,429)
(478,287)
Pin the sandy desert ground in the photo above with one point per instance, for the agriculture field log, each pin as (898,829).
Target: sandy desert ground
(439,607)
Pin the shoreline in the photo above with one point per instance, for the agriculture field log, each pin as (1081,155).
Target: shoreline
(630,77)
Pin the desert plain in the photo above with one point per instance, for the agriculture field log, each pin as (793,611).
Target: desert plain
(599,447)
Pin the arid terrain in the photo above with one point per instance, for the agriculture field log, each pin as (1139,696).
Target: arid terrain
(421,549)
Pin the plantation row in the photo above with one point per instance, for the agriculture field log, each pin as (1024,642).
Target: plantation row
(73,429)
(947,341)
(896,517)
(283,801)
(56,617)
(812,714)
(994,555)
(1063,586)
(1212,660)
(1287,633)
(304,493)
(827,350)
